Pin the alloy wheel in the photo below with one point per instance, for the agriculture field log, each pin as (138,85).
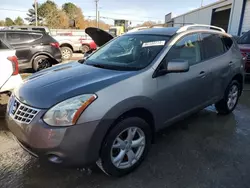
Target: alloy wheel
(66,54)
(232,96)
(128,148)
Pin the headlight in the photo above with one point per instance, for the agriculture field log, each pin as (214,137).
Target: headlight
(67,112)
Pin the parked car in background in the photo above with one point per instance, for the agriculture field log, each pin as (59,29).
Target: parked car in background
(31,28)
(88,44)
(244,45)
(68,44)
(107,108)
(34,49)
(9,74)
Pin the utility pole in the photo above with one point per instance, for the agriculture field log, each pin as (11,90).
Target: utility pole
(96,12)
(201,3)
(98,21)
(36,11)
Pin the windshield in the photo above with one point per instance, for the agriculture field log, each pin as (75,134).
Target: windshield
(128,52)
(112,31)
(244,39)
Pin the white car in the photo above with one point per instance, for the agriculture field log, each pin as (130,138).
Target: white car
(9,73)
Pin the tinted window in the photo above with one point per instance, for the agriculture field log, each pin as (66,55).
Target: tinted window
(1,35)
(212,45)
(3,46)
(227,42)
(245,39)
(188,48)
(36,36)
(15,38)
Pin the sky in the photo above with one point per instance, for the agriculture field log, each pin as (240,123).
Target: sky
(137,11)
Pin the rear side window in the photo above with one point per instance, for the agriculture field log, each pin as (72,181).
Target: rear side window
(3,46)
(227,41)
(212,46)
(1,35)
(245,39)
(16,38)
(36,36)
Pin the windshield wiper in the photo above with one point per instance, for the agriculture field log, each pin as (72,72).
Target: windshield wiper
(113,67)
(99,65)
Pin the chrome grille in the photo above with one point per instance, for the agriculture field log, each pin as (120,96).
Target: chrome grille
(21,112)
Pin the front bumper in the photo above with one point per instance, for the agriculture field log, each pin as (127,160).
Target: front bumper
(76,145)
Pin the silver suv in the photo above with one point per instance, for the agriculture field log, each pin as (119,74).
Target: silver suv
(106,108)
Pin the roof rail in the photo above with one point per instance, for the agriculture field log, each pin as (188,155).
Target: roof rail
(186,27)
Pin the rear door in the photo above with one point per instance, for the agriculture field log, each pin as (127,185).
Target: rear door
(217,58)
(21,42)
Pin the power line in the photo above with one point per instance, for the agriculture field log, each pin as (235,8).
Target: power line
(13,10)
(104,17)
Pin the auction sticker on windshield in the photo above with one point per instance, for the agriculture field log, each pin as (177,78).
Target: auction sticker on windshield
(155,43)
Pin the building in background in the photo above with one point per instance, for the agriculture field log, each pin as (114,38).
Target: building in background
(231,15)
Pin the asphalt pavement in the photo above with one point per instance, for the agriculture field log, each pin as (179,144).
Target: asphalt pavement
(204,151)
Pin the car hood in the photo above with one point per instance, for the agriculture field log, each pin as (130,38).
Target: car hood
(99,36)
(49,87)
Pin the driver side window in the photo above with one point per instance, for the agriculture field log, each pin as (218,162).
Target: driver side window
(187,49)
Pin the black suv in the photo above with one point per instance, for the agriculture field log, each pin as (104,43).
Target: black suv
(34,49)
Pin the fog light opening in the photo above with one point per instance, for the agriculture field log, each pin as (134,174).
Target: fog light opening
(54,158)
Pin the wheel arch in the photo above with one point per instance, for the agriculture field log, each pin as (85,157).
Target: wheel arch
(67,45)
(39,54)
(140,112)
(240,79)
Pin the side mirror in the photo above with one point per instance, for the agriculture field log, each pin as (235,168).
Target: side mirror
(178,66)
(174,66)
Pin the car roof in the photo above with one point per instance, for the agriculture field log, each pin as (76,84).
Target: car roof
(168,31)
(171,31)
(28,26)
(21,31)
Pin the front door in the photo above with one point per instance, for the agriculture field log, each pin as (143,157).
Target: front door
(180,93)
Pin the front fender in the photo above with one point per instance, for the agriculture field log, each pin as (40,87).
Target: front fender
(115,112)
(130,104)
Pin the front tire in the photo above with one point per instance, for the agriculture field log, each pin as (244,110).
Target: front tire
(125,147)
(230,100)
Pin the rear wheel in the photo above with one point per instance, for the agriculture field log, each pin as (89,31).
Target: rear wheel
(125,147)
(230,100)
(66,53)
(41,62)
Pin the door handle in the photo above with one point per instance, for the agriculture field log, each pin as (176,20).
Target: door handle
(230,63)
(202,74)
